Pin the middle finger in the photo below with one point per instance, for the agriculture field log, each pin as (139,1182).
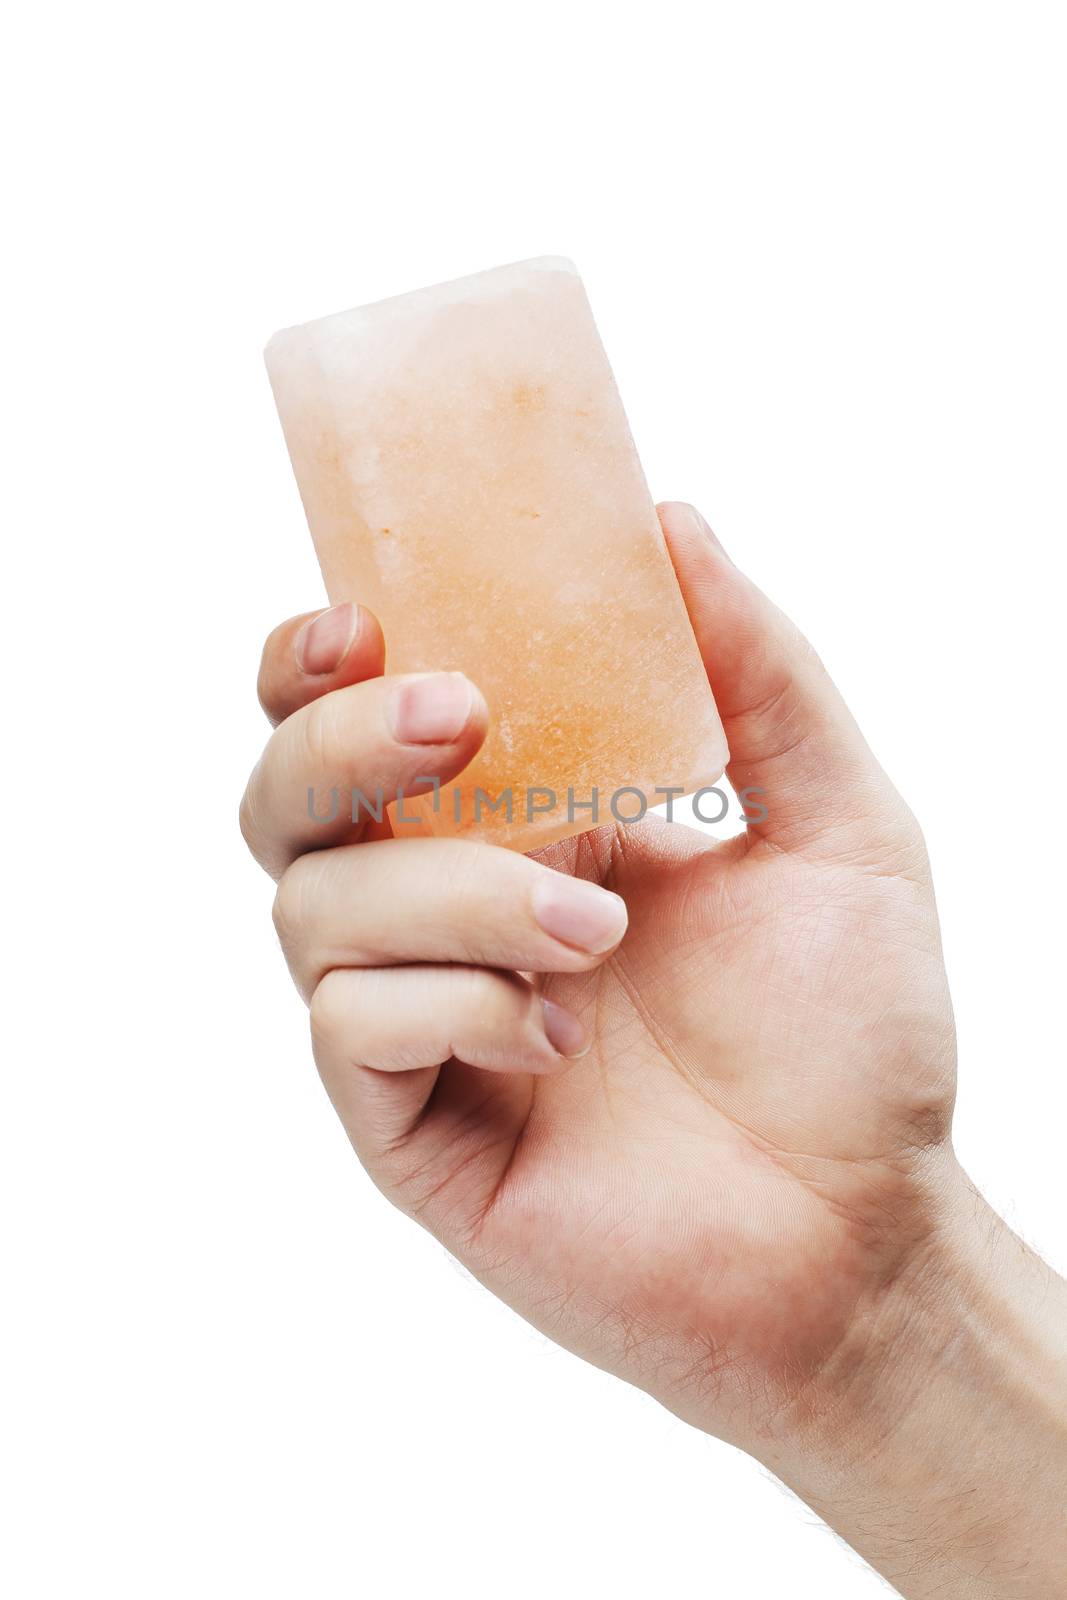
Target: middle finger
(440,900)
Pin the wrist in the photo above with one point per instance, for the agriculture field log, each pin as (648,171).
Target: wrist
(936,1442)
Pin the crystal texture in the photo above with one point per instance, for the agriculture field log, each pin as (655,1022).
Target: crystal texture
(469,475)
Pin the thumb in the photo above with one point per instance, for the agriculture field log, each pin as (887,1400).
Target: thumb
(790,734)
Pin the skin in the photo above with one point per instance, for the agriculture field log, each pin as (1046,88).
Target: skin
(736,1188)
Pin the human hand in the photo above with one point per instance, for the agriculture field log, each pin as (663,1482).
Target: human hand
(746,1178)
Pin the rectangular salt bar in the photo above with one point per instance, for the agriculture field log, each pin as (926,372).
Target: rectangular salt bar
(468,473)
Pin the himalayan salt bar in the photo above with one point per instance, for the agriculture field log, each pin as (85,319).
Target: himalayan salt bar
(468,473)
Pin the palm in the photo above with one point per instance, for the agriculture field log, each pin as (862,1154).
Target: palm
(771,1053)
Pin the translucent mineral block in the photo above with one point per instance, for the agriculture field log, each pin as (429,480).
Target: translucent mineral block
(468,473)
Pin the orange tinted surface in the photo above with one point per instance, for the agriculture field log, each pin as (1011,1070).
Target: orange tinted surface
(468,473)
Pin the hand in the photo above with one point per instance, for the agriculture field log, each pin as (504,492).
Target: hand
(710,1151)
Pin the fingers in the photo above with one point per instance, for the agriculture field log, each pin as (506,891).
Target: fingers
(403,1019)
(440,900)
(310,655)
(381,1034)
(790,734)
(331,766)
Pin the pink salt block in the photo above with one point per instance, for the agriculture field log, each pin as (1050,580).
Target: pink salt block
(469,475)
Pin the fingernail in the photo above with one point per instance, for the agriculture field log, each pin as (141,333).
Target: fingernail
(579,914)
(430,710)
(564,1032)
(325,640)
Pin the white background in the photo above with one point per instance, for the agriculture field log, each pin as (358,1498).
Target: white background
(826,248)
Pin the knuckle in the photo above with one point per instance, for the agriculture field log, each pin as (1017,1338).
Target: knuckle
(257,830)
(331,1012)
(247,819)
(289,911)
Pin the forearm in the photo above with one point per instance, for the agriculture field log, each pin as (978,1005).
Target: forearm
(943,1457)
